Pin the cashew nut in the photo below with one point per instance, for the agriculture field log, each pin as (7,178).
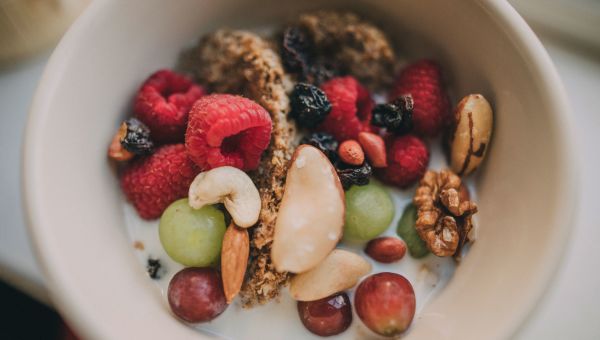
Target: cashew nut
(230,186)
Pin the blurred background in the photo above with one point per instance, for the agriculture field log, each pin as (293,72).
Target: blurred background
(570,30)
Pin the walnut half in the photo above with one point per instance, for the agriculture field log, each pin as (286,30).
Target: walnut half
(444,212)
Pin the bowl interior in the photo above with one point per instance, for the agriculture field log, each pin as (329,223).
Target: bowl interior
(74,203)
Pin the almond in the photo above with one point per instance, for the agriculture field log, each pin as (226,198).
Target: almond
(386,249)
(339,271)
(374,147)
(234,259)
(351,152)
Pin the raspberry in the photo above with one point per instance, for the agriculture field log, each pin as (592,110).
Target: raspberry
(154,182)
(407,158)
(163,103)
(423,80)
(229,130)
(351,106)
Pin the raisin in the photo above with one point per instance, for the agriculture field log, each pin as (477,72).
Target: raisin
(324,142)
(319,73)
(137,138)
(354,175)
(153,267)
(296,50)
(396,116)
(299,58)
(309,105)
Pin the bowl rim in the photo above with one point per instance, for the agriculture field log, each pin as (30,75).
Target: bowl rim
(513,24)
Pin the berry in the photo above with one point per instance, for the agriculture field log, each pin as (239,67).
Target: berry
(423,80)
(227,130)
(163,103)
(324,142)
(354,175)
(386,303)
(196,294)
(351,106)
(396,117)
(369,212)
(190,236)
(407,158)
(154,182)
(309,105)
(328,316)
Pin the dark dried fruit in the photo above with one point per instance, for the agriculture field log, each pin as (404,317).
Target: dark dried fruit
(153,267)
(296,50)
(298,57)
(309,105)
(350,175)
(137,138)
(396,116)
(324,142)
(132,138)
(319,73)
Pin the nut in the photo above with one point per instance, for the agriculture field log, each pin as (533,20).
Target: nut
(311,214)
(443,216)
(351,153)
(386,249)
(339,271)
(374,148)
(230,186)
(473,123)
(234,259)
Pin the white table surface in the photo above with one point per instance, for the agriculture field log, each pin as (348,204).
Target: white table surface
(570,308)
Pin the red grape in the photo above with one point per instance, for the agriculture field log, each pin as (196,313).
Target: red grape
(385,302)
(328,316)
(196,294)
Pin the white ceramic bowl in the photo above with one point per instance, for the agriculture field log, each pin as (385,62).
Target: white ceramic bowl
(526,188)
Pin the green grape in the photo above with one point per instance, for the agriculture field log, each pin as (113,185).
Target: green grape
(192,237)
(369,212)
(406,230)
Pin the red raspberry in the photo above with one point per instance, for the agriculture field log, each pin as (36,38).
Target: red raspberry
(407,158)
(229,130)
(423,80)
(163,103)
(154,182)
(351,106)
